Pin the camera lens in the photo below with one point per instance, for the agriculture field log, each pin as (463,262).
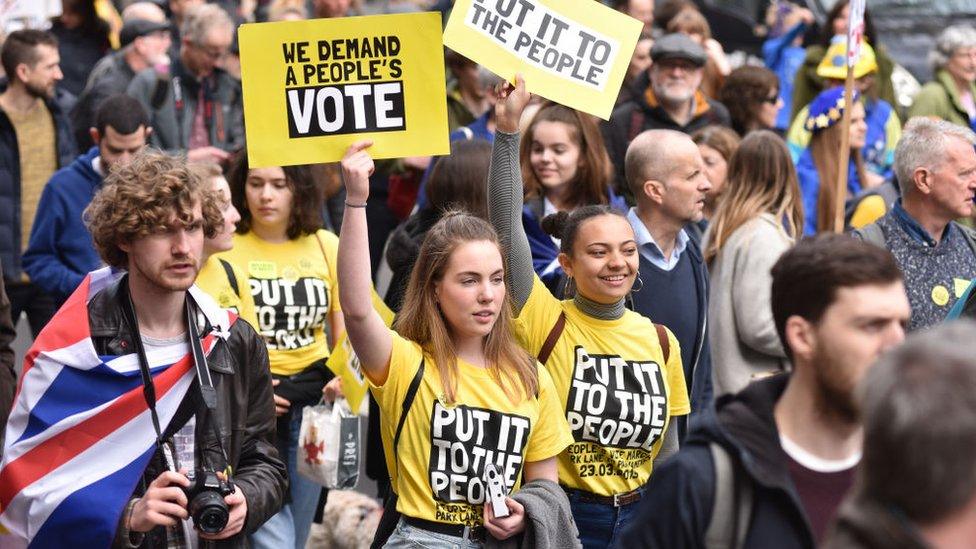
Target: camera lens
(209,512)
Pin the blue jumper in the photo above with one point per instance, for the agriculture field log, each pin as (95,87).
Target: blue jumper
(61,251)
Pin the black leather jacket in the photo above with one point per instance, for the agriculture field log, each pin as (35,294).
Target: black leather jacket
(244,416)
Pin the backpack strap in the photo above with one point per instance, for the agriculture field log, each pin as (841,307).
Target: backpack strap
(408,402)
(662,338)
(732,506)
(871,233)
(552,338)
(968,234)
(231,277)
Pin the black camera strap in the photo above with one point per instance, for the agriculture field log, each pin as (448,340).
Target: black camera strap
(205,381)
(207,390)
(148,387)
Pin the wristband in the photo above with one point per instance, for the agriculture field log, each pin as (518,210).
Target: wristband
(348,205)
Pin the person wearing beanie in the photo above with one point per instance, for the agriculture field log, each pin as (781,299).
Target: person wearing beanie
(883,125)
(816,168)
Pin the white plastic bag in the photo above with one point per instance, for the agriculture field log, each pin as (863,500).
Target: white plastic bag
(329,445)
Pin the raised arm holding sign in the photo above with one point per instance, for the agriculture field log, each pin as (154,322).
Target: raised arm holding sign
(574,52)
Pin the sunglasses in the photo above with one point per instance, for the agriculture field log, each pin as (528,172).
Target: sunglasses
(772,99)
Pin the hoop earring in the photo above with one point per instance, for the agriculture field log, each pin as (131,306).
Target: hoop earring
(569,290)
(641,287)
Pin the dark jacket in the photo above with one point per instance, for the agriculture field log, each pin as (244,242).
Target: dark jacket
(8,375)
(863,523)
(172,121)
(111,76)
(80,48)
(11,241)
(677,506)
(244,416)
(402,250)
(645,113)
(61,251)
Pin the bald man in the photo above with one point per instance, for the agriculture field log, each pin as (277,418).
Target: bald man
(665,173)
(149,11)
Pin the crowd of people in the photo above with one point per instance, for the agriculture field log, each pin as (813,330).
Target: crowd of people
(647,328)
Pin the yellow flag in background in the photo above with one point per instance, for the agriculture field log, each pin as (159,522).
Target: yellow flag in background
(345,364)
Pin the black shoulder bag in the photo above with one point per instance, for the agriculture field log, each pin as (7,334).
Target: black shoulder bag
(391,516)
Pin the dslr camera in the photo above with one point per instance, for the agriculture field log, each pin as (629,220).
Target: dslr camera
(205,495)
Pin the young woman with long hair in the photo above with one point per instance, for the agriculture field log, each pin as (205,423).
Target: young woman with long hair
(618,375)
(817,166)
(760,217)
(290,268)
(474,395)
(565,166)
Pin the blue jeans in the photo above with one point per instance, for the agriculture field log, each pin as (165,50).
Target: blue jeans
(289,528)
(600,525)
(410,537)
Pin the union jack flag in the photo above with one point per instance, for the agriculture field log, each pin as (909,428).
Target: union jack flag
(80,433)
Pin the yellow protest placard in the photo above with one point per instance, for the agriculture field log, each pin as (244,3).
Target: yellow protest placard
(345,364)
(574,52)
(312,88)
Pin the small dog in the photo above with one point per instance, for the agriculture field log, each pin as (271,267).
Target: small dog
(348,522)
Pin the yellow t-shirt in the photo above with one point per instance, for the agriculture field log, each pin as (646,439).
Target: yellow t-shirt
(439,463)
(294,289)
(617,397)
(213,279)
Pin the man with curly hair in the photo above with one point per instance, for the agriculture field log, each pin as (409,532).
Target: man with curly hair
(176,390)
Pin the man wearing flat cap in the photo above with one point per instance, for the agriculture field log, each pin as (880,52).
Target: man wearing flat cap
(671,99)
(145,40)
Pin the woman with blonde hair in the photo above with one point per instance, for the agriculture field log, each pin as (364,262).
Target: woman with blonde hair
(224,282)
(456,392)
(760,217)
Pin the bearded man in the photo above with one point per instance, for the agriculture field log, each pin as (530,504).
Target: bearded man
(769,466)
(671,99)
(35,141)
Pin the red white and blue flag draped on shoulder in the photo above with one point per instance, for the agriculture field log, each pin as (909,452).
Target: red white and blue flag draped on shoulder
(80,433)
